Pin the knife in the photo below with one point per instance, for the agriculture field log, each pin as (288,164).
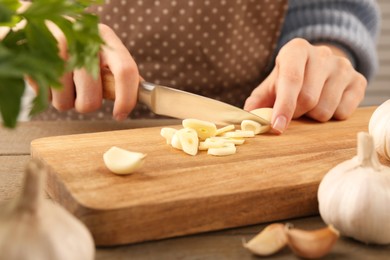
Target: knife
(176,103)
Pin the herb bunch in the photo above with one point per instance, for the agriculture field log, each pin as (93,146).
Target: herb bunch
(32,50)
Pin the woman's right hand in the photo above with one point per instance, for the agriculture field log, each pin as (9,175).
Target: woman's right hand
(84,93)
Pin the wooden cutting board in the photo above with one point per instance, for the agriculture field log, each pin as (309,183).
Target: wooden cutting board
(270,178)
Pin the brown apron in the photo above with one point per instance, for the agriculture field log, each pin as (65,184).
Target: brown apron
(220,49)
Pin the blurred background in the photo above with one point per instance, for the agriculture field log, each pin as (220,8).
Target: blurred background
(379,89)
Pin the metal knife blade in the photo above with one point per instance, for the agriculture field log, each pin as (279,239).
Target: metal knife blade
(176,103)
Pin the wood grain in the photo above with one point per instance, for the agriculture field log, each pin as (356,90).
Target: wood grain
(270,178)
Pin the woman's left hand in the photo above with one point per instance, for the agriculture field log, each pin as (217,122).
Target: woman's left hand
(313,80)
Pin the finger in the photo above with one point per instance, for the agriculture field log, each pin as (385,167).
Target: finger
(116,57)
(64,99)
(351,98)
(88,91)
(333,90)
(316,72)
(263,95)
(291,63)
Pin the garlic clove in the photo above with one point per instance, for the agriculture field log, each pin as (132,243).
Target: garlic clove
(312,244)
(269,241)
(121,161)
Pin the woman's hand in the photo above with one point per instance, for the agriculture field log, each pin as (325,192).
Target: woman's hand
(85,93)
(316,81)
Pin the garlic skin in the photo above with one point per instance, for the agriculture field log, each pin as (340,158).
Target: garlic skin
(379,128)
(354,196)
(32,228)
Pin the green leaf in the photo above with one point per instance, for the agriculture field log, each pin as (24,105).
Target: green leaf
(7,12)
(11,91)
(33,51)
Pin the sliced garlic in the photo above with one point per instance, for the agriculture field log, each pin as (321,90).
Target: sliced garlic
(266,113)
(250,125)
(204,129)
(227,149)
(239,134)
(189,140)
(175,141)
(121,161)
(225,129)
(236,141)
(167,133)
(211,143)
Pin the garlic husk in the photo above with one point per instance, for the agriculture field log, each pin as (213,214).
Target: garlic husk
(354,196)
(34,228)
(379,128)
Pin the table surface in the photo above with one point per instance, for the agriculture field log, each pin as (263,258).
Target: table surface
(225,244)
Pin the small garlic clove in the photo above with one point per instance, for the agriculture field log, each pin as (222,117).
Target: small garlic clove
(269,241)
(121,161)
(312,244)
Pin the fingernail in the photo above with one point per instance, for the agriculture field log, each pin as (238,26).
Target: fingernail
(280,124)
(121,117)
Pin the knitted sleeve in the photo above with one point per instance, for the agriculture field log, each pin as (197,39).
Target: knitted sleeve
(353,25)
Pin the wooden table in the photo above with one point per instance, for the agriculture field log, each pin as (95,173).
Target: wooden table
(225,244)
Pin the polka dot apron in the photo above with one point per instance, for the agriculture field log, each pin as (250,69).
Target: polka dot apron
(220,49)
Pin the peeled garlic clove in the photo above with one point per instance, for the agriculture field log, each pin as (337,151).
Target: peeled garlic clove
(167,133)
(227,149)
(269,241)
(121,161)
(265,113)
(204,129)
(189,140)
(250,125)
(312,244)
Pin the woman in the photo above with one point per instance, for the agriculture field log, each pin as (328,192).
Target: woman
(301,57)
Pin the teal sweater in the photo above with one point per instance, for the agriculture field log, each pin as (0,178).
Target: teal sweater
(353,25)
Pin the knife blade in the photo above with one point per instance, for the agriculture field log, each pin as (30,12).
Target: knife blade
(171,102)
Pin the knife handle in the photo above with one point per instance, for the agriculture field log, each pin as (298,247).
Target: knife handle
(145,89)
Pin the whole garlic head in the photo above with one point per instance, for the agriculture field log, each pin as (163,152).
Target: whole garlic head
(354,196)
(32,228)
(379,128)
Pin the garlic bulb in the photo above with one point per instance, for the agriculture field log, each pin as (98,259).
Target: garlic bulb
(34,228)
(379,128)
(354,196)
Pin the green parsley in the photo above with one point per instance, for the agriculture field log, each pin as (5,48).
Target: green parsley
(32,50)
